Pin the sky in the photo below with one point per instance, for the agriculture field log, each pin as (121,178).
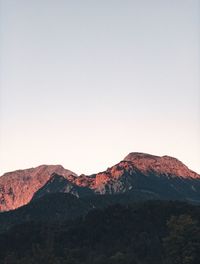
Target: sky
(83,83)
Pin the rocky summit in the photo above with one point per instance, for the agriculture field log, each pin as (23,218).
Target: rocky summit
(160,177)
(18,187)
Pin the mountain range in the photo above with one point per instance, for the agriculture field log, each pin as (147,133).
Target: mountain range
(138,174)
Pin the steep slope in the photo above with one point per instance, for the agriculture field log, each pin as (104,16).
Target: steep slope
(59,184)
(157,177)
(18,187)
(165,177)
(162,177)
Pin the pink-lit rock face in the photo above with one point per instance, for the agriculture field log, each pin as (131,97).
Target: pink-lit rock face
(18,187)
(132,171)
(84,181)
(138,171)
(160,165)
(112,174)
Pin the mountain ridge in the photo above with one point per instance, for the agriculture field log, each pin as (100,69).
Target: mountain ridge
(165,177)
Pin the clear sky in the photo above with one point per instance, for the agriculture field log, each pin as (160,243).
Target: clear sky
(83,83)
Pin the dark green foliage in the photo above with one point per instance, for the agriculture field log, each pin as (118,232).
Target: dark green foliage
(50,208)
(152,232)
(182,245)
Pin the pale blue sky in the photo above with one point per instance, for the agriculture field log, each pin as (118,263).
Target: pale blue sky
(83,83)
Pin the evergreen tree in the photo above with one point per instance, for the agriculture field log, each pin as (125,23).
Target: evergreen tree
(182,245)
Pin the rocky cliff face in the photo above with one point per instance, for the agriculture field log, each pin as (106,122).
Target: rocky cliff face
(18,187)
(160,165)
(163,177)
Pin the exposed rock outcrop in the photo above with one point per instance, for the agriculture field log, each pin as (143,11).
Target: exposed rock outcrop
(18,187)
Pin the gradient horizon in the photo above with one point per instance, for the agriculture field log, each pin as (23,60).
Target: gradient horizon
(83,83)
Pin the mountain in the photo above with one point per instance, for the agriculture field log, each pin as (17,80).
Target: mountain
(18,187)
(160,165)
(164,177)
(147,175)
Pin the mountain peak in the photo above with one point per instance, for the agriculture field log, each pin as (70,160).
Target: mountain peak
(137,155)
(18,187)
(160,164)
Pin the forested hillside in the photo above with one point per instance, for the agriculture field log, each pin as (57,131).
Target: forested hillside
(152,232)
